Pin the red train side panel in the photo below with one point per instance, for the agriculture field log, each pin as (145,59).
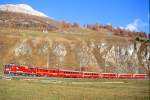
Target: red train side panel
(140,76)
(14,69)
(125,75)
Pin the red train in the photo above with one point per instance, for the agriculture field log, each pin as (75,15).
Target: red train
(24,70)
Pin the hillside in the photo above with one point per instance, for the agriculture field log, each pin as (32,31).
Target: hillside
(40,41)
(21,8)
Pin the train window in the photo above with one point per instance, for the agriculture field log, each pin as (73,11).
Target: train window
(65,72)
(31,68)
(7,66)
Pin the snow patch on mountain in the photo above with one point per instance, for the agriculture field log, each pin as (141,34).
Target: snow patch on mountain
(21,8)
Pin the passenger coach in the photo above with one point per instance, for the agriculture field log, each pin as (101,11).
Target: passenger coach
(25,70)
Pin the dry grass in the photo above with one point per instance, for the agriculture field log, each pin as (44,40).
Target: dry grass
(10,38)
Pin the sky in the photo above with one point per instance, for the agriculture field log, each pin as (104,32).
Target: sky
(128,14)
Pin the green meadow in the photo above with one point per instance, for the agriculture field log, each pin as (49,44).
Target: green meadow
(74,89)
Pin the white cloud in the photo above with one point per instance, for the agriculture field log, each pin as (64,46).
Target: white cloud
(136,25)
(121,27)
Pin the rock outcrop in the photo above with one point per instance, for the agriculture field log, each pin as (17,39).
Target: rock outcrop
(100,56)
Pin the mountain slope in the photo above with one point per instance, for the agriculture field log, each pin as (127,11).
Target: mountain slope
(21,8)
(40,41)
(25,21)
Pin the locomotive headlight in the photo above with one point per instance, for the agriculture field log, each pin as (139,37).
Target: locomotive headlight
(7,69)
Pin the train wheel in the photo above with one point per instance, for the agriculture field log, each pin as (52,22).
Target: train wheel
(24,74)
(16,74)
(12,74)
(34,75)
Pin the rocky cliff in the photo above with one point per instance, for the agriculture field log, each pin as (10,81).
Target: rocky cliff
(101,55)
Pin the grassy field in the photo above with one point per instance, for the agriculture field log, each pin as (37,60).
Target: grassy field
(1,70)
(74,89)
